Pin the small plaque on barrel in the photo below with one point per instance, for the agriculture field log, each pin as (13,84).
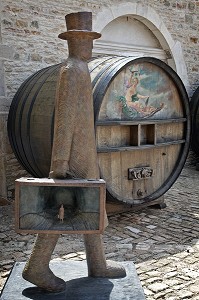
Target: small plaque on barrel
(58,206)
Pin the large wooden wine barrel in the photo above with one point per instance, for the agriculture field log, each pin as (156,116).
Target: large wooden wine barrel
(142,122)
(195,121)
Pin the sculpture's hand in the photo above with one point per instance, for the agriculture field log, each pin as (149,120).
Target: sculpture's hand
(59,169)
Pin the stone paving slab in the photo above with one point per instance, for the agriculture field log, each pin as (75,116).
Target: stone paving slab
(78,285)
(162,244)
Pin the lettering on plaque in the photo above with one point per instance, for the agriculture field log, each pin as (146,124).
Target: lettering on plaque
(140,173)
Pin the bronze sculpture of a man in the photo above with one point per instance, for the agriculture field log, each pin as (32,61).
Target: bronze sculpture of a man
(74,151)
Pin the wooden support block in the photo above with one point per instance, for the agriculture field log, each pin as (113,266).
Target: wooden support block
(60,206)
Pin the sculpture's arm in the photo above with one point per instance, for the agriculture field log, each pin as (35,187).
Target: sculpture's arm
(65,120)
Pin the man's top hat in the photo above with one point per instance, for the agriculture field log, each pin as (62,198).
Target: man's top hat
(79,25)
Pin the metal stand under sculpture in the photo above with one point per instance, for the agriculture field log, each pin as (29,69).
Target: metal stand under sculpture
(74,152)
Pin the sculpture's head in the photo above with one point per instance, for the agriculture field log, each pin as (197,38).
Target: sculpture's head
(79,25)
(79,34)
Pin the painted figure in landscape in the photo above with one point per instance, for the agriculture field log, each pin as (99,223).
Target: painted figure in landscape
(135,104)
(74,152)
(132,96)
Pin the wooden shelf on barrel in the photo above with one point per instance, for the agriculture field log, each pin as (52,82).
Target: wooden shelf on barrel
(138,135)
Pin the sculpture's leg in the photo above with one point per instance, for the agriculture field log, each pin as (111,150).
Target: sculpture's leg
(96,261)
(37,269)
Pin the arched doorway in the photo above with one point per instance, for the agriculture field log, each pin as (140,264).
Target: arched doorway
(128,36)
(132,29)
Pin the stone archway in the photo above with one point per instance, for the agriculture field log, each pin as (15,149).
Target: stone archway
(168,49)
(120,37)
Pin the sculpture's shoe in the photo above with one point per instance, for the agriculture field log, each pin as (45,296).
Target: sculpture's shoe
(44,279)
(112,270)
(97,264)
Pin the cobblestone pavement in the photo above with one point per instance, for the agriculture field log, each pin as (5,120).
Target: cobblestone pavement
(163,244)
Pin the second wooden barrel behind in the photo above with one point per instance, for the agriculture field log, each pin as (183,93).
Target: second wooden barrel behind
(142,121)
(195,121)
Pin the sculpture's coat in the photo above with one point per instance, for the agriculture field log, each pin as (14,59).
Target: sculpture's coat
(74,148)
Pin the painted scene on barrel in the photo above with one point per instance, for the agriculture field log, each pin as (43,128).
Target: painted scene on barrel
(141,99)
(141,91)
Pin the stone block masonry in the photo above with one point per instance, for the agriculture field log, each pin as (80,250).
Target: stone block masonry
(29,33)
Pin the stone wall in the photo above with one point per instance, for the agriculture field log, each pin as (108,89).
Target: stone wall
(29,42)
(182,20)
(30,30)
